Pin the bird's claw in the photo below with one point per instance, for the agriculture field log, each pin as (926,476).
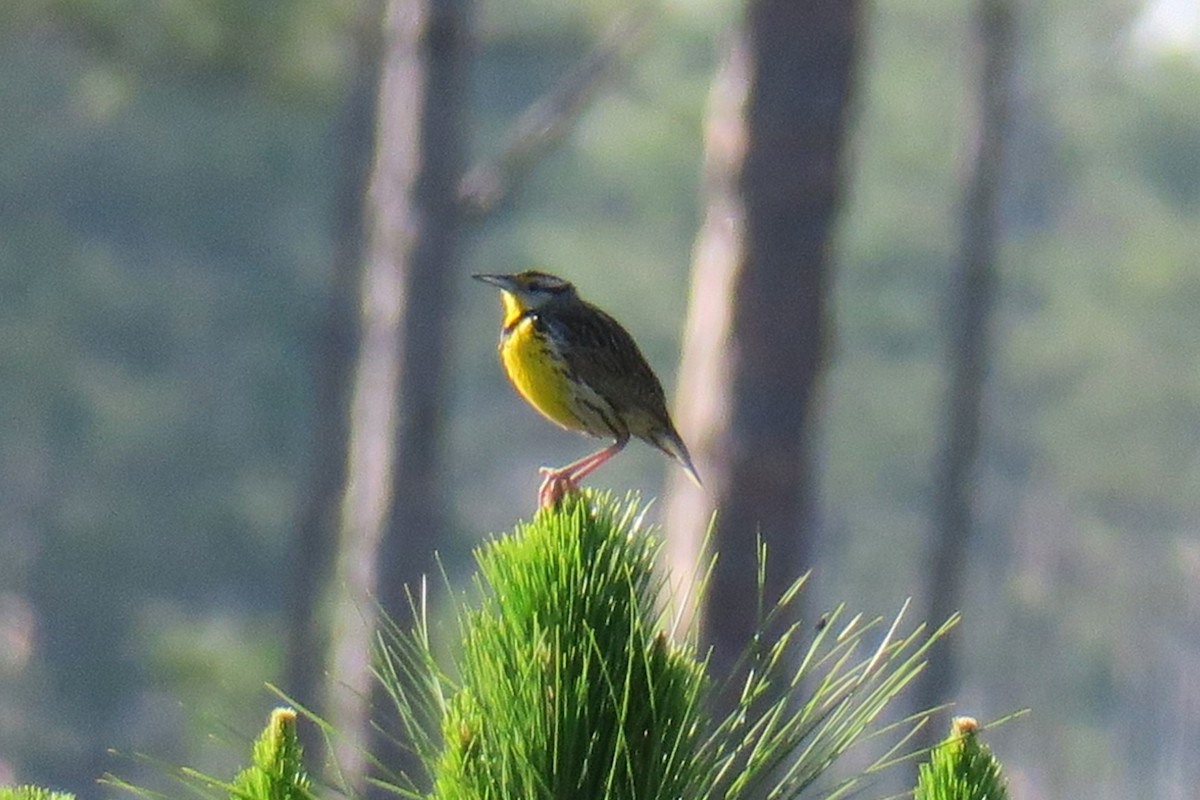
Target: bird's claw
(555,487)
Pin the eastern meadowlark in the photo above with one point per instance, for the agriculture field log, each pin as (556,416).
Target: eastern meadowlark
(582,370)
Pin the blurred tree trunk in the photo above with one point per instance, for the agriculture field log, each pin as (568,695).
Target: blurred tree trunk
(755,339)
(390,510)
(417,521)
(334,347)
(972,298)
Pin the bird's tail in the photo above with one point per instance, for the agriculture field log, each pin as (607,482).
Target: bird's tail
(670,443)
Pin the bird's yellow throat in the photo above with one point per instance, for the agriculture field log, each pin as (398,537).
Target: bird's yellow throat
(532,367)
(512,309)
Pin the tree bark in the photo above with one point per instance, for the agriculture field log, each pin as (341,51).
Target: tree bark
(973,296)
(390,510)
(756,330)
(417,522)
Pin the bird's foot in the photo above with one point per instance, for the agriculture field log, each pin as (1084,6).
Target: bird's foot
(555,486)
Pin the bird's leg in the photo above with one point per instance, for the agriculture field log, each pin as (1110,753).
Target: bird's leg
(585,466)
(558,483)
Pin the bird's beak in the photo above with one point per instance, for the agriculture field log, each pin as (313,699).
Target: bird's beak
(501,281)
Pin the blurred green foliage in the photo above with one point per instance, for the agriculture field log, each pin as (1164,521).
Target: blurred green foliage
(165,193)
(31,793)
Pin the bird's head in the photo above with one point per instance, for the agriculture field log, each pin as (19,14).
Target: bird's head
(528,291)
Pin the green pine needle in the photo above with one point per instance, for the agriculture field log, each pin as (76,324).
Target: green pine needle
(961,768)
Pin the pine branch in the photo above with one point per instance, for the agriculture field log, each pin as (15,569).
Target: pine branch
(277,765)
(570,684)
(961,768)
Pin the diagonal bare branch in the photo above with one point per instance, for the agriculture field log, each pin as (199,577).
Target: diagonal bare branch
(548,120)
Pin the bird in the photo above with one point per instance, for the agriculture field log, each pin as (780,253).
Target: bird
(584,372)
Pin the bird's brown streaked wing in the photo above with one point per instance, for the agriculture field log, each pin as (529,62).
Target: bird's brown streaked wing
(604,356)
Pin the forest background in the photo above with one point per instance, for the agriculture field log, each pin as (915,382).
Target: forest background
(168,198)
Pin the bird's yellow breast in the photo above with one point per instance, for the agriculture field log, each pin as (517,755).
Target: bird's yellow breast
(538,372)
